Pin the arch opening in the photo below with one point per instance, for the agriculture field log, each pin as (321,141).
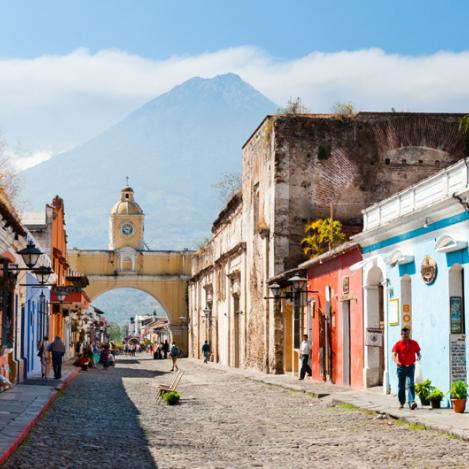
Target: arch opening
(134,316)
(121,304)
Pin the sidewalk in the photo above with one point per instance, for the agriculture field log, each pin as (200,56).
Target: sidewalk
(22,406)
(374,400)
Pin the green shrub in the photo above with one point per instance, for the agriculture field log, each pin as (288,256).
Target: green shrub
(458,390)
(171,397)
(424,389)
(435,395)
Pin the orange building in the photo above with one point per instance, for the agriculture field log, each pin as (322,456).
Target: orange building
(59,264)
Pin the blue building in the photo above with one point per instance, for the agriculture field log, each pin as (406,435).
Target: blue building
(34,324)
(415,273)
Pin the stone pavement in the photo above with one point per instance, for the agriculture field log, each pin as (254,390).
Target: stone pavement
(22,405)
(111,419)
(373,400)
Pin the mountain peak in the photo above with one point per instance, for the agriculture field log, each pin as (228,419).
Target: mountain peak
(204,93)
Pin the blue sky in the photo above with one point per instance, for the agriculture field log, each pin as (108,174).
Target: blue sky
(71,69)
(158,29)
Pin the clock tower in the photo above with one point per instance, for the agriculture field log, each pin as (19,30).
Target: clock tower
(126,222)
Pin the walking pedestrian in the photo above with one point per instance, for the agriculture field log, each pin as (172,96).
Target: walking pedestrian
(58,350)
(104,358)
(165,349)
(44,356)
(404,354)
(206,351)
(305,352)
(174,352)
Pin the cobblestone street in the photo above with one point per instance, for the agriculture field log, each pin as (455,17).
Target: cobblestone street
(110,419)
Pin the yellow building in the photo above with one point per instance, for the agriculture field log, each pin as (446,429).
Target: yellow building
(127,264)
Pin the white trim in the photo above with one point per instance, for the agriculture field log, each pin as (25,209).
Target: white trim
(446,243)
(398,258)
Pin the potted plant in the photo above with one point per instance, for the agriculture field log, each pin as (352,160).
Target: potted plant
(435,398)
(171,397)
(423,390)
(458,394)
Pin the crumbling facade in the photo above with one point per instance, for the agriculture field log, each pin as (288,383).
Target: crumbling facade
(301,167)
(217,290)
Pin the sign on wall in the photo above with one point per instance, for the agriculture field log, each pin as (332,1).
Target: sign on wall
(455,315)
(374,337)
(393,313)
(406,319)
(428,270)
(457,344)
(346,286)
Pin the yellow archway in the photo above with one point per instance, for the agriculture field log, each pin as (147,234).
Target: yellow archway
(161,274)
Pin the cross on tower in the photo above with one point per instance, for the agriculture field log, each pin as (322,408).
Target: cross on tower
(127,181)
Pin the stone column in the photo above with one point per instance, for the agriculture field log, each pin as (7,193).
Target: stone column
(180,337)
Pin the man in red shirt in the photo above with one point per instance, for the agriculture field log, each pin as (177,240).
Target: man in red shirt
(404,354)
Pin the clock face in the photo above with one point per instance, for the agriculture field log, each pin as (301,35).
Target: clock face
(127,229)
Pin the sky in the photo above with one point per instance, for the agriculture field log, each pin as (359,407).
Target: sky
(69,70)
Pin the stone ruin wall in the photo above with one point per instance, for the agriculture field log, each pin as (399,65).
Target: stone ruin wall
(353,163)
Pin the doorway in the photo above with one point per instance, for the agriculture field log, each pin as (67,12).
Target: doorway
(346,343)
(236,330)
(374,328)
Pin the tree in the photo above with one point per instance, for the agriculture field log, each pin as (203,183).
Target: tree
(320,235)
(10,181)
(114,331)
(228,186)
(294,106)
(343,110)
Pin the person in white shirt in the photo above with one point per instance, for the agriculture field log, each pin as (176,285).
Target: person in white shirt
(305,350)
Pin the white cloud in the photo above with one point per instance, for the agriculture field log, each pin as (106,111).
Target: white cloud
(22,162)
(56,102)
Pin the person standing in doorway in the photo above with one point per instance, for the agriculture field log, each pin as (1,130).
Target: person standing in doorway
(404,354)
(305,350)
(44,356)
(206,351)
(58,350)
(174,352)
(165,349)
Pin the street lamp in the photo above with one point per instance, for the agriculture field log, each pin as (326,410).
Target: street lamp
(61,295)
(298,282)
(43,274)
(30,254)
(275,289)
(297,288)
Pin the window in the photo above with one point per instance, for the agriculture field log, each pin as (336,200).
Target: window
(456,300)
(221,284)
(256,206)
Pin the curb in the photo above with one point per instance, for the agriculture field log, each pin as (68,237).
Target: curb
(409,420)
(32,423)
(264,380)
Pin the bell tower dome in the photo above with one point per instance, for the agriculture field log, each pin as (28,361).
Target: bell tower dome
(126,222)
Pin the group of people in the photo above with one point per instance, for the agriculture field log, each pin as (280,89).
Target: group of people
(45,350)
(160,351)
(88,356)
(131,349)
(91,356)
